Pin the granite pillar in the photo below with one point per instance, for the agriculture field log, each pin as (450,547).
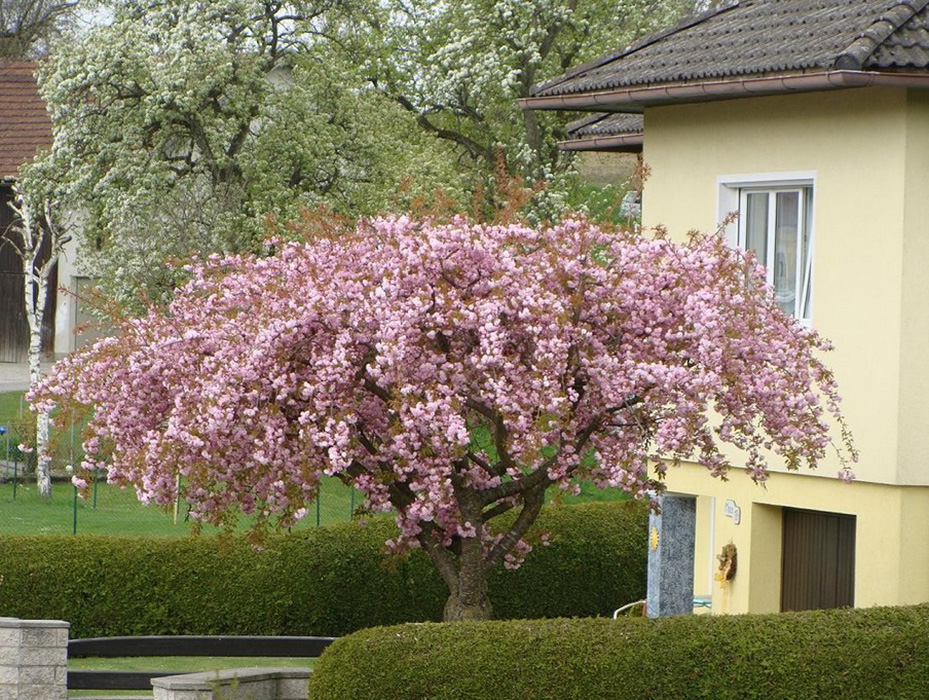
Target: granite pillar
(671,557)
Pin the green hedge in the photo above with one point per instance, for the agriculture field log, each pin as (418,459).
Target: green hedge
(838,654)
(324,581)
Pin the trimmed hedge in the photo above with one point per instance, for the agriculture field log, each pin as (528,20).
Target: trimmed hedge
(324,581)
(869,654)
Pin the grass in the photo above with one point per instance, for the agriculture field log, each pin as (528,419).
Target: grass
(589,494)
(172,664)
(112,511)
(118,512)
(12,406)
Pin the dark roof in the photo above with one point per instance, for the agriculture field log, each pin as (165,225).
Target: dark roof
(605,124)
(755,38)
(605,132)
(25,127)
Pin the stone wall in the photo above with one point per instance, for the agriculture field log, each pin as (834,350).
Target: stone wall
(236,684)
(33,659)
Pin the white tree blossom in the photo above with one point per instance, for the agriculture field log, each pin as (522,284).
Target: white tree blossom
(460,68)
(185,125)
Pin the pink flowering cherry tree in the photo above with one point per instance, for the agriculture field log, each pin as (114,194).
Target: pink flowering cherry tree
(451,373)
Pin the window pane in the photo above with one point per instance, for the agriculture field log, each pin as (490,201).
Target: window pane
(786,241)
(756,225)
(806,265)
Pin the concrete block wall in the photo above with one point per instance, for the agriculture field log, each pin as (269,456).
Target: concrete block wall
(33,659)
(236,684)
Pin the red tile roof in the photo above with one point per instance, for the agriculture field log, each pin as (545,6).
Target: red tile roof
(25,127)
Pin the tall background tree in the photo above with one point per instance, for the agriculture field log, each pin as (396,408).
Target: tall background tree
(460,68)
(186,125)
(28,27)
(38,236)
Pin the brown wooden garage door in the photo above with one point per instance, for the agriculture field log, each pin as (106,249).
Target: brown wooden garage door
(818,565)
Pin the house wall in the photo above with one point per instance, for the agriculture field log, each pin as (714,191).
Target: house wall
(855,141)
(65,315)
(869,152)
(913,411)
(892,536)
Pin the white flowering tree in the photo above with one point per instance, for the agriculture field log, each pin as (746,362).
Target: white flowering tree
(184,125)
(460,67)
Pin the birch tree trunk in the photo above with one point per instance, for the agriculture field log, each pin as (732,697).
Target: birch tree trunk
(36,295)
(36,272)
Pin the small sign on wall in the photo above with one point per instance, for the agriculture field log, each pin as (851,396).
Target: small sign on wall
(732,510)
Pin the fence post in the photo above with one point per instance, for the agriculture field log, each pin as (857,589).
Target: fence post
(74,525)
(33,659)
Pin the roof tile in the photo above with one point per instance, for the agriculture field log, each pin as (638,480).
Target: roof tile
(25,127)
(601,124)
(761,37)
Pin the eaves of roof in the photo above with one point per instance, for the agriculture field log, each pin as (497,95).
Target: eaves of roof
(625,143)
(611,131)
(636,99)
(751,47)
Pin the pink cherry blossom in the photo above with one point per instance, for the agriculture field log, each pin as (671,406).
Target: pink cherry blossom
(451,373)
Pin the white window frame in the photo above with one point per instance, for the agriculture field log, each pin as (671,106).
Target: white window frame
(731,193)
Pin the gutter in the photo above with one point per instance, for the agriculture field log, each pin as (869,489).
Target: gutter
(625,143)
(635,99)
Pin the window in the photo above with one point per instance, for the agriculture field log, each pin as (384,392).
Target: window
(775,220)
(776,225)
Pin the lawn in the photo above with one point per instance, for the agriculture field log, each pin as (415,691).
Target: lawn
(117,512)
(113,511)
(12,405)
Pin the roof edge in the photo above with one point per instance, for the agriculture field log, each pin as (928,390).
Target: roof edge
(586,120)
(635,99)
(625,143)
(868,40)
(636,45)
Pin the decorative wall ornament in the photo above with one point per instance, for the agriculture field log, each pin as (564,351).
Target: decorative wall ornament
(728,561)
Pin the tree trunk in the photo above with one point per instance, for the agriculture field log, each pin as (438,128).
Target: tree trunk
(467,586)
(35,291)
(469,599)
(35,312)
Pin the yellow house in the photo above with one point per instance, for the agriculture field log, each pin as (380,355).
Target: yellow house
(810,120)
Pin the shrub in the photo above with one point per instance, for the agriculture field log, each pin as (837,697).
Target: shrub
(837,654)
(324,581)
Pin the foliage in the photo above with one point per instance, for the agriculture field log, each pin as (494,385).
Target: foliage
(184,126)
(322,581)
(452,373)
(461,67)
(873,654)
(27,26)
